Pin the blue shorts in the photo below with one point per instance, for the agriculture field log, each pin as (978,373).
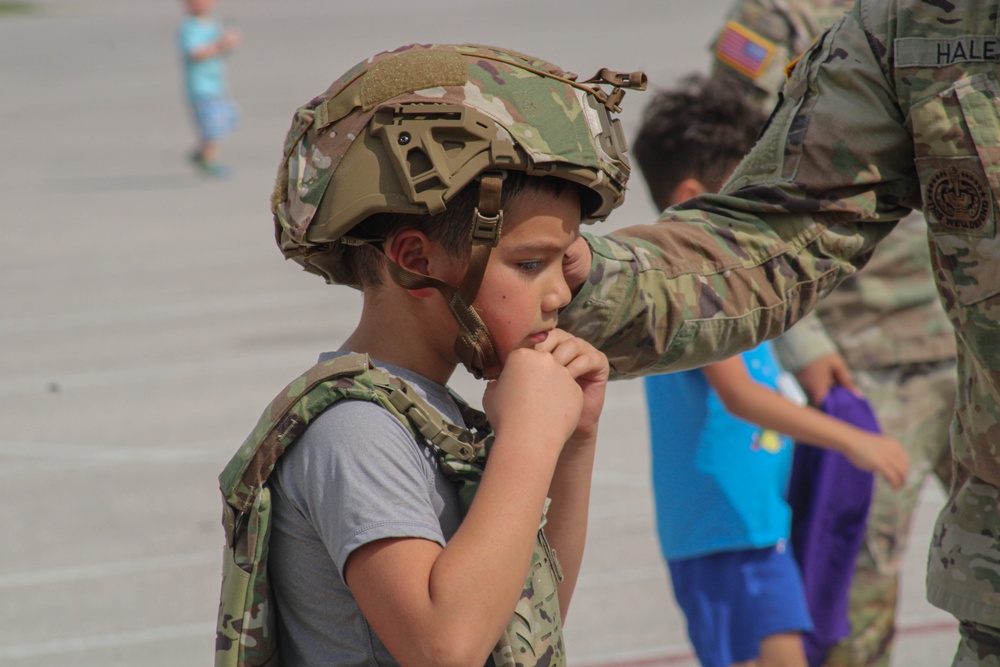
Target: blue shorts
(215,117)
(734,599)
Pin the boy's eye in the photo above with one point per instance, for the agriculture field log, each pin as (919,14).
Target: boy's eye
(530,266)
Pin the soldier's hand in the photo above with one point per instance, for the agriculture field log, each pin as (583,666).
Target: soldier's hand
(820,376)
(576,264)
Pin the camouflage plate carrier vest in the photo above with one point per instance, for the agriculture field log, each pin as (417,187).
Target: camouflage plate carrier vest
(246,634)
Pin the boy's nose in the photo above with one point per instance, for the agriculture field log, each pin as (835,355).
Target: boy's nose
(559,295)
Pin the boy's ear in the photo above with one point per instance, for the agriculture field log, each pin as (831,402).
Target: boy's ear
(686,189)
(414,251)
(408,249)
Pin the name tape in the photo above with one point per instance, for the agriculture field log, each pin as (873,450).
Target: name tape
(939,52)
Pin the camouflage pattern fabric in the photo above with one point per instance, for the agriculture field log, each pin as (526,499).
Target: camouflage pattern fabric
(536,118)
(246,634)
(896,107)
(979,647)
(405,131)
(885,319)
(534,636)
(888,314)
(246,631)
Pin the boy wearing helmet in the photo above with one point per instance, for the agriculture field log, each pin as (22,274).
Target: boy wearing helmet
(447,183)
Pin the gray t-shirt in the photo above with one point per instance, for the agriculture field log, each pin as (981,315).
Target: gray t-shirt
(355,476)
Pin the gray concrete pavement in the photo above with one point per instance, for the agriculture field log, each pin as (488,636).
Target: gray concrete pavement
(148,318)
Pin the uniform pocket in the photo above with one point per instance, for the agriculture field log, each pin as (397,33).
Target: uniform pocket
(956,138)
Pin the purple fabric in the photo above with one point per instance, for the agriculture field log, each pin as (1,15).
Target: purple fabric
(830,498)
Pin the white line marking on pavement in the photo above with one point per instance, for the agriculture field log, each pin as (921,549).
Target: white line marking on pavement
(660,655)
(164,453)
(41,384)
(117,569)
(115,317)
(20,459)
(680,654)
(110,640)
(191,452)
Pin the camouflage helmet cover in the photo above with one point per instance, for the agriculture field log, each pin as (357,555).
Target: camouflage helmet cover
(406,130)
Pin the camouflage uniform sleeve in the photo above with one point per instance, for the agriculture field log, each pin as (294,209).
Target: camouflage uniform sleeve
(831,174)
(803,344)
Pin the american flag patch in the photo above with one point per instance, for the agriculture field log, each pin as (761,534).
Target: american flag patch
(744,50)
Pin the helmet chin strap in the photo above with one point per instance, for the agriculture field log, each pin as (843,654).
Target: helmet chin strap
(474,345)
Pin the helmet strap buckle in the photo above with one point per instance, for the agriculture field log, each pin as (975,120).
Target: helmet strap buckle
(487,228)
(474,344)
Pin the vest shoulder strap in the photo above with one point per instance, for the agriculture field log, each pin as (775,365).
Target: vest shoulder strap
(286,418)
(351,376)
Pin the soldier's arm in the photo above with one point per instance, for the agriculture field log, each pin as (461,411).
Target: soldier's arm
(803,344)
(831,174)
(807,351)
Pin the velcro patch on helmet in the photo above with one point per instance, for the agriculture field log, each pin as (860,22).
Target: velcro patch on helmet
(410,71)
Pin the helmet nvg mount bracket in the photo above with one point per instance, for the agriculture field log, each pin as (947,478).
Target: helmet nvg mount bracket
(406,130)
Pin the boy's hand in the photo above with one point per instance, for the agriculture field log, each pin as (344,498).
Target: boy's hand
(230,39)
(536,395)
(883,456)
(590,369)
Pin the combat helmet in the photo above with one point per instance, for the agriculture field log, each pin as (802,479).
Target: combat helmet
(408,129)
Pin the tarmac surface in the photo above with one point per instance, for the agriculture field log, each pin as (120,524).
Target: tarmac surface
(148,318)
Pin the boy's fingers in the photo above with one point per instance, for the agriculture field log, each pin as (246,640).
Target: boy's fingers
(555,338)
(568,351)
(581,360)
(592,365)
(579,357)
(560,345)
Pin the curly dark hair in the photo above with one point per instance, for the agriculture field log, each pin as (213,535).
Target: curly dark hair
(700,129)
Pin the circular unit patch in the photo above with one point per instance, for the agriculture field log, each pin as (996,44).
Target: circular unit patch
(958,199)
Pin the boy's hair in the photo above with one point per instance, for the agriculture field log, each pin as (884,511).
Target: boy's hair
(361,265)
(700,129)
